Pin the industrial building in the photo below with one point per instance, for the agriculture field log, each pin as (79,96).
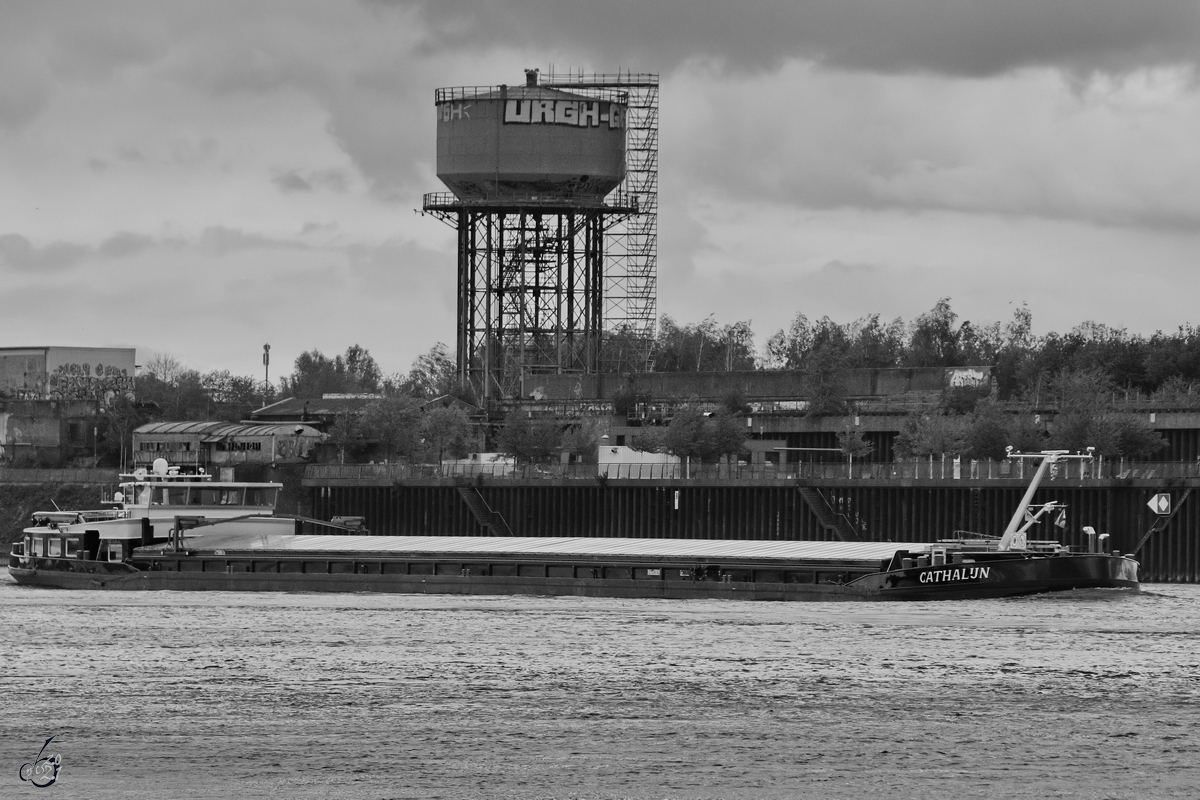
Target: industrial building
(51,398)
(66,373)
(216,445)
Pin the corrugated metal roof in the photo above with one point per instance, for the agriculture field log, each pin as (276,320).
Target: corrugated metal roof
(178,427)
(215,431)
(561,546)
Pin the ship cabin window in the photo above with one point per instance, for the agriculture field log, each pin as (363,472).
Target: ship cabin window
(53,547)
(172,496)
(258,496)
(72,547)
(204,496)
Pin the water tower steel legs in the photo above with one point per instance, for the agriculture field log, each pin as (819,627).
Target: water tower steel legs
(530,294)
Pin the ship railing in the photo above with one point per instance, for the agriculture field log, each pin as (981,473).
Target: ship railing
(915,470)
(453,94)
(968,540)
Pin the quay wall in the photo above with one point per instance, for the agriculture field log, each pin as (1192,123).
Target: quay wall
(881,510)
(20,496)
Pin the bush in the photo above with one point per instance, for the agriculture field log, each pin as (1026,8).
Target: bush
(627,398)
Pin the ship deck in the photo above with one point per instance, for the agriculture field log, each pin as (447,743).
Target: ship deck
(551,547)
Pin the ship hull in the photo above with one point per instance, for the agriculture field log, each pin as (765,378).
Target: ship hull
(1005,577)
(997,578)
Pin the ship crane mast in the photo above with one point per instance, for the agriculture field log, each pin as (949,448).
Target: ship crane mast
(1014,534)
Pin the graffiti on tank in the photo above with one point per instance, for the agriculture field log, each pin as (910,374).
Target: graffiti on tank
(449,111)
(575,113)
(88,382)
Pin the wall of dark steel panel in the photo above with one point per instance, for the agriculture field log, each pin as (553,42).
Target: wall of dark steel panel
(1183,444)
(881,511)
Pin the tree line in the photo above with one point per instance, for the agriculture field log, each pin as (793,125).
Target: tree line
(1024,364)
(1081,373)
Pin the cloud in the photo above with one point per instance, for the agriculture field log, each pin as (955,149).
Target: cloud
(1029,143)
(189,153)
(288,182)
(125,244)
(319,227)
(947,37)
(25,89)
(221,241)
(18,252)
(291,181)
(132,155)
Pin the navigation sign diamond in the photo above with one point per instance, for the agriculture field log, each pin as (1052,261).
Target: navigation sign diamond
(1160,504)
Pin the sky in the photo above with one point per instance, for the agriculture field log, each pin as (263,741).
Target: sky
(198,179)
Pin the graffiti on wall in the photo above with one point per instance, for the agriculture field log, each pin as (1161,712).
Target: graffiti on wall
(969,377)
(89,382)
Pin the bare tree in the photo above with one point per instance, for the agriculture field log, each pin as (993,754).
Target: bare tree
(165,367)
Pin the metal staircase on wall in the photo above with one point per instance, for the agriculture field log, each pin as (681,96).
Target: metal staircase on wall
(837,524)
(491,521)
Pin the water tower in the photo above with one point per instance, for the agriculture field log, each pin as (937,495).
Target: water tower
(534,172)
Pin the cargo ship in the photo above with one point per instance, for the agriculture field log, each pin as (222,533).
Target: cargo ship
(166,531)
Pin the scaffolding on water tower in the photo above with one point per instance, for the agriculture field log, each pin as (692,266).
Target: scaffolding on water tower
(630,272)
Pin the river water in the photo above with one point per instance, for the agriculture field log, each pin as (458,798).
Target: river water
(1091,694)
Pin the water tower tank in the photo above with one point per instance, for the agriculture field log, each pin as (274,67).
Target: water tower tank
(530,142)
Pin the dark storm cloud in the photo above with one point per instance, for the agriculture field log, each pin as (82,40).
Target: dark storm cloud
(289,182)
(24,90)
(221,241)
(319,227)
(292,181)
(125,244)
(943,36)
(19,253)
